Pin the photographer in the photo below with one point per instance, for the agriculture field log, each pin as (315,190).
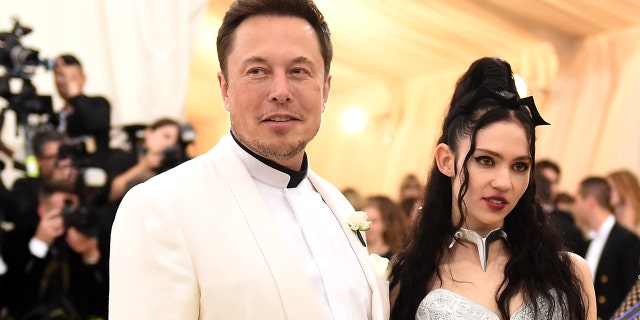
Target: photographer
(127,169)
(24,192)
(82,116)
(61,273)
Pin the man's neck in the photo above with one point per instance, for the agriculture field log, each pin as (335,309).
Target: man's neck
(599,217)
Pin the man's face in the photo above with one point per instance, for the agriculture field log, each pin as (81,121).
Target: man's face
(69,79)
(554,181)
(58,200)
(275,90)
(580,208)
(47,162)
(159,139)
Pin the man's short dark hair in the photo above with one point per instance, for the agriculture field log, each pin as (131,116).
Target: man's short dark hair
(598,188)
(547,164)
(243,9)
(70,60)
(43,137)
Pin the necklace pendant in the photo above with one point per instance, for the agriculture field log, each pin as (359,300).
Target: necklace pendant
(481,243)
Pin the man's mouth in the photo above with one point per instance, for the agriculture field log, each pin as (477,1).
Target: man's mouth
(280,119)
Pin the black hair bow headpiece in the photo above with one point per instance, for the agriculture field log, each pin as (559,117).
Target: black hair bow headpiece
(504,98)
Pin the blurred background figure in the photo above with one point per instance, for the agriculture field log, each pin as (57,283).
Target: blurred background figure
(354,197)
(151,155)
(388,226)
(630,307)
(625,199)
(550,170)
(60,272)
(23,208)
(409,193)
(572,236)
(613,254)
(564,201)
(82,117)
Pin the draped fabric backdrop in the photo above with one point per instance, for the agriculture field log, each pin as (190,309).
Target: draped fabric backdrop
(397,61)
(135,53)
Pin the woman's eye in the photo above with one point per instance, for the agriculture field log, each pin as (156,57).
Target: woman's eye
(521,166)
(485,161)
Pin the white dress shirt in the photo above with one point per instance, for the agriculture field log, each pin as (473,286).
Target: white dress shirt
(317,240)
(598,240)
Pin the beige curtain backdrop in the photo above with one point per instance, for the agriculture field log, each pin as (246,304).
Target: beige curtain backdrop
(137,53)
(396,60)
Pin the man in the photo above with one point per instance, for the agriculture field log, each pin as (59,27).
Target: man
(60,270)
(613,253)
(551,171)
(572,236)
(247,231)
(82,117)
(25,191)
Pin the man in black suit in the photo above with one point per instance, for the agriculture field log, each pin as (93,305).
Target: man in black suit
(613,253)
(572,236)
(82,115)
(60,271)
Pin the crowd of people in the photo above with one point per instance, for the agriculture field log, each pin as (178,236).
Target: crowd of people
(249,230)
(56,224)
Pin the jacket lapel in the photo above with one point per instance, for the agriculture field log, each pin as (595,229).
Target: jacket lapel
(296,292)
(340,208)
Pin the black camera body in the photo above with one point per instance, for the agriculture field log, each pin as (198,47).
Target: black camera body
(82,218)
(21,62)
(90,186)
(78,149)
(17,59)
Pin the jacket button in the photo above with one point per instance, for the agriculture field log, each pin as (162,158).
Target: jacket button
(604,279)
(602,299)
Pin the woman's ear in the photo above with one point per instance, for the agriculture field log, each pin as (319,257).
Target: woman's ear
(445,160)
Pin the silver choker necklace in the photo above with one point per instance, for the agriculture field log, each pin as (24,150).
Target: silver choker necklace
(481,243)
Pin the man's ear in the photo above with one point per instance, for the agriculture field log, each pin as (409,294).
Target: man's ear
(224,88)
(445,160)
(41,211)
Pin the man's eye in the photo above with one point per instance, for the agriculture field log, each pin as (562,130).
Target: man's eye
(299,71)
(255,71)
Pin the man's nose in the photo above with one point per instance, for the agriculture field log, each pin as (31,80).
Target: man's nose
(280,91)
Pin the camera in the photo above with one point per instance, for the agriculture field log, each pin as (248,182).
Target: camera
(21,62)
(177,154)
(78,149)
(84,217)
(81,218)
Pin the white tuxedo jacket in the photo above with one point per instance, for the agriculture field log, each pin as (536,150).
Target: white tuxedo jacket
(198,242)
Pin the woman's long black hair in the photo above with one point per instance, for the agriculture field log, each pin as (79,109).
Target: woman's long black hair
(537,260)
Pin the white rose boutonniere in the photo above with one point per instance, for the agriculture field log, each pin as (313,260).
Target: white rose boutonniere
(381,265)
(358,223)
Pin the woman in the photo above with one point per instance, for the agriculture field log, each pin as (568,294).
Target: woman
(409,195)
(625,199)
(388,226)
(130,168)
(483,248)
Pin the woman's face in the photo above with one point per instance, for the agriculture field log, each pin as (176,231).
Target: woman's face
(499,171)
(157,140)
(376,233)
